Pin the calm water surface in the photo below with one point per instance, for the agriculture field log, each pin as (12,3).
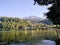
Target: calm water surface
(42,42)
(25,38)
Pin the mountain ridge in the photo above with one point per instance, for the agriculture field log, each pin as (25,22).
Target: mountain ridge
(38,19)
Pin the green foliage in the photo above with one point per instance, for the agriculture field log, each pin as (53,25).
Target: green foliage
(14,24)
(7,24)
(58,26)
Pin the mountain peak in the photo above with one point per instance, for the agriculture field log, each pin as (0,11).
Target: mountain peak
(38,19)
(33,17)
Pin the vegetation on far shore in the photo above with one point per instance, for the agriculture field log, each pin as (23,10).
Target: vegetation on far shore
(9,23)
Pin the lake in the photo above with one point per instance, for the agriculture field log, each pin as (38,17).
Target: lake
(27,37)
(41,42)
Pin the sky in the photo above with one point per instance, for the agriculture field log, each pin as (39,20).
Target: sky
(21,8)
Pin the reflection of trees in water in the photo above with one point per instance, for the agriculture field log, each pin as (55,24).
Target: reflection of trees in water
(22,36)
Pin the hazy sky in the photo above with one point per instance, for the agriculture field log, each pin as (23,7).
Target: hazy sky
(21,8)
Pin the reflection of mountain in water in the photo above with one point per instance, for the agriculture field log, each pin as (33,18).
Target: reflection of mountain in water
(38,19)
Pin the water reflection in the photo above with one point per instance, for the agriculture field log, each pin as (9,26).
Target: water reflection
(26,38)
(42,42)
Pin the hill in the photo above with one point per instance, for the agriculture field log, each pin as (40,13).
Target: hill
(14,24)
(38,20)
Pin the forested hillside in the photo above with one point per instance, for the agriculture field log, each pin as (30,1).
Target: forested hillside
(14,24)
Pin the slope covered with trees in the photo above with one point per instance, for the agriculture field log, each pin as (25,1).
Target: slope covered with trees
(15,24)
(7,23)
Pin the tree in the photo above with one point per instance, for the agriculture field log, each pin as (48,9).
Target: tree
(54,13)
(46,2)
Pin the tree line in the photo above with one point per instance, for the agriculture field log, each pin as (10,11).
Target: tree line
(14,24)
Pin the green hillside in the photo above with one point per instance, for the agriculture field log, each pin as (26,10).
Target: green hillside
(9,23)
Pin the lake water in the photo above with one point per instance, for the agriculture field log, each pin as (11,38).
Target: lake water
(42,42)
(25,38)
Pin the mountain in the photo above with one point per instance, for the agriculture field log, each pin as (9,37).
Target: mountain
(38,20)
(33,19)
(46,21)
